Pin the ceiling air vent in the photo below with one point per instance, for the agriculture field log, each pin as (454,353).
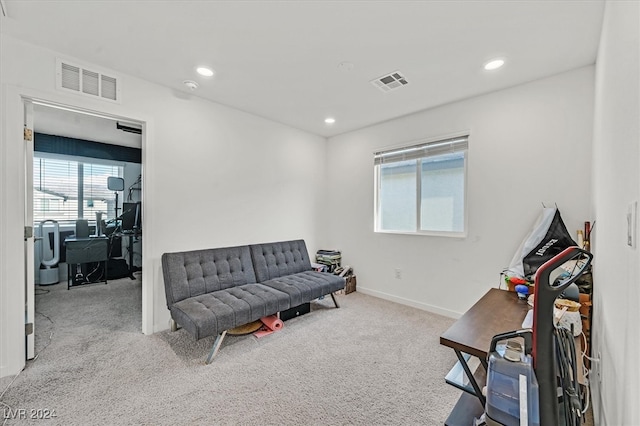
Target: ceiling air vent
(89,82)
(109,88)
(70,77)
(390,82)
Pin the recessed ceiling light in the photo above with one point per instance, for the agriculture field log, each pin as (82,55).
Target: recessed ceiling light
(494,64)
(329,120)
(204,71)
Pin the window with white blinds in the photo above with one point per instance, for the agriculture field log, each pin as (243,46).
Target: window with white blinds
(421,188)
(66,189)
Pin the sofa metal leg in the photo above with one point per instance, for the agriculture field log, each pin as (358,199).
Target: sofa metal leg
(216,346)
(334,300)
(173,324)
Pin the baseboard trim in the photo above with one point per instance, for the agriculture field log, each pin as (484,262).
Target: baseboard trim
(409,302)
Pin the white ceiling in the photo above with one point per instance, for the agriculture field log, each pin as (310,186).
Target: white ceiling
(280,59)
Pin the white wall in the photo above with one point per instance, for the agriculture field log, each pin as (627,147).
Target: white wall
(616,177)
(528,145)
(212,176)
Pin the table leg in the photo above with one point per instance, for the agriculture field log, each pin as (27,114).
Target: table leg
(472,379)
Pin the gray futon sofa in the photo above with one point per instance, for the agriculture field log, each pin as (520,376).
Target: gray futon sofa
(211,291)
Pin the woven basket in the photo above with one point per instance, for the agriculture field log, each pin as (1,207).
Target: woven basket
(350,286)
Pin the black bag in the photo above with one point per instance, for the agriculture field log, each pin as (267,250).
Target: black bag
(548,238)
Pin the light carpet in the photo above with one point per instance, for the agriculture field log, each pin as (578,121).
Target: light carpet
(371,362)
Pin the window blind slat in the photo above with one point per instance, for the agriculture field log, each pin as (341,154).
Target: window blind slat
(422,150)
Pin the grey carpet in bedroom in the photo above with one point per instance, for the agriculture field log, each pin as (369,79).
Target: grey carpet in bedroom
(370,362)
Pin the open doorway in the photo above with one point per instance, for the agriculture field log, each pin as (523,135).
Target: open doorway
(87,201)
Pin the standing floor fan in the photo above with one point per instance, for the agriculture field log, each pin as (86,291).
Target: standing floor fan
(49,267)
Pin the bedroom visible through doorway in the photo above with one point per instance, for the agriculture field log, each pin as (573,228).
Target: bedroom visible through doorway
(86,189)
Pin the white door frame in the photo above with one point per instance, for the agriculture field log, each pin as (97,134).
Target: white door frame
(12,215)
(29,254)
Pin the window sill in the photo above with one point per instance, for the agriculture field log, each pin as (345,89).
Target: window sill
(459,235)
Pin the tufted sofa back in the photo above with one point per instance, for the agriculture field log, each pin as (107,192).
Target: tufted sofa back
(274,260)
(192,273)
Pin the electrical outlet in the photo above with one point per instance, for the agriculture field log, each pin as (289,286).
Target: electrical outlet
(398,273)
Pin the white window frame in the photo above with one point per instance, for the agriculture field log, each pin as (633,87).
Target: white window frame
(413,147)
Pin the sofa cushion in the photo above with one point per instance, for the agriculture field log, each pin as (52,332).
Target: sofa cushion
(306,286)
(197,272)
(273,260)
(212,313)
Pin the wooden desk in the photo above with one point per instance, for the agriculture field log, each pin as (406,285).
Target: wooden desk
(498,311)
